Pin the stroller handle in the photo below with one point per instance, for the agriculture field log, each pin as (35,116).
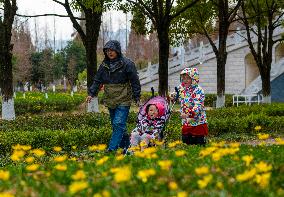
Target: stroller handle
(153,91)
(177,94)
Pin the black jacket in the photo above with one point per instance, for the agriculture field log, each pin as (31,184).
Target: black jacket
(123,71)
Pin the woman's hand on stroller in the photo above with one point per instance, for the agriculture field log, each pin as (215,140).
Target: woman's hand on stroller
(88,99)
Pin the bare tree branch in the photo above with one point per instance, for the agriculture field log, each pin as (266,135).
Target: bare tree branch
(59,2)
(39,15)
(246,23)
(278,40)
(277,20)
(233,13)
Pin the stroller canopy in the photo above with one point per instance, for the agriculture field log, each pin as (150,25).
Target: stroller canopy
(162,105)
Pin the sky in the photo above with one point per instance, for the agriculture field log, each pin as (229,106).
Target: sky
(63,26)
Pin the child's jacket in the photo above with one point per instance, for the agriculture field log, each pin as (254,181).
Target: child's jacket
(151,126)
(192,100)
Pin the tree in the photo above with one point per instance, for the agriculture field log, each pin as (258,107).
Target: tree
(75,60)
(142,49)
(161,13)
(42,66)
(9,8)
(92,11)
(22,49)
(207,18)
(261,18)
(59,64)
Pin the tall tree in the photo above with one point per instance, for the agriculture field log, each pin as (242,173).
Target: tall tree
(162,13)
(92,11)
(261,18)
(142,49)
(22,50)
(9,8)
(210,18)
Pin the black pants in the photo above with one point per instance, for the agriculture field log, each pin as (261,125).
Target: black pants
(193,140)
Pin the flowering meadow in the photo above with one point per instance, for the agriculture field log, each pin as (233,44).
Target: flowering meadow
(64,155)
(219,169)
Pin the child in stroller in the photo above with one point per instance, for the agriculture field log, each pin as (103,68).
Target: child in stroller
(150,122)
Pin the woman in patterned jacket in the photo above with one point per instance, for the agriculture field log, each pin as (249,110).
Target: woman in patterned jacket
(191,96)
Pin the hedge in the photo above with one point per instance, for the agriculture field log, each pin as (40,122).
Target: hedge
(35,102)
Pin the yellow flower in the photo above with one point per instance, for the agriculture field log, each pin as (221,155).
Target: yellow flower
(216,156)
(38,152)
(279,141)
(165,164)
(144,174)
(4,175)
(57,148)
(6,194)
(173,185)
(219,144)
(202,183)
(158,143)
(78,186)
(121,174)
(150,150)
(262,136)
(60,159)
(202,170)
(32,167)
(220,185)
(173,144)
(21,147)
(248,174)
(73,159)
(180,153)
(207,151)
(17,155)
(100,147)
(257,128)
(247,159)
(119,157)
(74,147)
(105,193)
(143,144)
(29,159)
(235,144)
(61,167)
(263,167)
(182,194)
(263,179)
(102,160)
(79,175)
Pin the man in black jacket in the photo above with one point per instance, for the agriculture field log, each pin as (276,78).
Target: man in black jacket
(121,83)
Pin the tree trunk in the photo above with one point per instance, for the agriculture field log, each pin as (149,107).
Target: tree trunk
(164,47)
(266,86)
(6,84)
(93,23)
(221,63)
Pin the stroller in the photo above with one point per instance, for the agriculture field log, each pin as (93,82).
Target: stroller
(157,125)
